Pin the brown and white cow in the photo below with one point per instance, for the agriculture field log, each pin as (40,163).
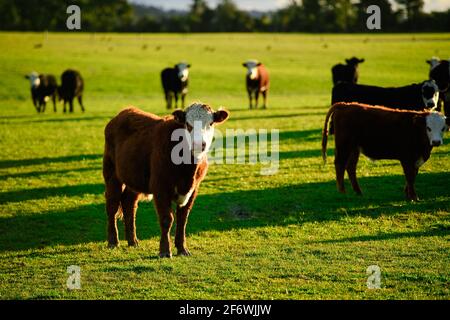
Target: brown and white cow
(382,133)
(139,159)
(257,81)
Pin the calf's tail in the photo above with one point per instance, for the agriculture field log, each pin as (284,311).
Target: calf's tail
(325,131)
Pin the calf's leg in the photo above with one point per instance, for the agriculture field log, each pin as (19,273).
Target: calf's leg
(129,203)
(54,102)
(80,101)
(183,97)
(71,105)
(113,191)
(165,216)
(249,92)
(351,170)
(410,171)
(264,93)
(176,99)
(340,162)
(182,217)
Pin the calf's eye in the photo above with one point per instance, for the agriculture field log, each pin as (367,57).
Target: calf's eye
(429,129)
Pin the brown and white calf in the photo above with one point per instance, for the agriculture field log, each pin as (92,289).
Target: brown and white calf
(382,133)
(139,159)
(257,81)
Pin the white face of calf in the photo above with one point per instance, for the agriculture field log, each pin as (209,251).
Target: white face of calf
(183,71)
(34,79)
(252,68)
(199,120)
(436,127)
(433,62)
(430,94)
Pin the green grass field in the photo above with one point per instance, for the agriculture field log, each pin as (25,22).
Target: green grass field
(286,236)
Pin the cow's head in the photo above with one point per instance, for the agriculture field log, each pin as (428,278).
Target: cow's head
(435,127)
(430,94)
(252,68)
(199,120)
(433,62)
(182,69)
(35,81)
(354,61)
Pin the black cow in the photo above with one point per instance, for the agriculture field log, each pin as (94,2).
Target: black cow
(175,82)
(72,86)
(346,72)
(43,88)
(417,96)
(440,72)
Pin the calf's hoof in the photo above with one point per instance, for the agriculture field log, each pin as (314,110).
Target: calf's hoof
(184,252)
(134,243)
(165,255)
(112,245)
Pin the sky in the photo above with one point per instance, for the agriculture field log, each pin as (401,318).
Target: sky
(264,5)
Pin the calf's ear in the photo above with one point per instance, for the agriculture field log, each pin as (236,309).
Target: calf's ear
(258,64)
(429,62)
(189,65)
(179,116)
(244,64)
(221,116)
(361,60)
(27,76)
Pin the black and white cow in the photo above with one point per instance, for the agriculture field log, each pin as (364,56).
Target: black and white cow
(346,72)
(43,88)
(257,81)
(72,86)
(175,82)
(440,72)
(419,96)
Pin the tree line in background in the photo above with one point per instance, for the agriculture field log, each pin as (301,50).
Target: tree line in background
(297,16)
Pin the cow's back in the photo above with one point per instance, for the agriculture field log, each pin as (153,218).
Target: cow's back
(72,84)
(264,80)
(381,133)
(135,141)
(169,80)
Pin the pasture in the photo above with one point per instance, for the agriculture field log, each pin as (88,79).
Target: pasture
(285,236)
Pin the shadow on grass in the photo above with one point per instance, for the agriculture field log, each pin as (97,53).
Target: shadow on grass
(440,231)
(47,192)
(46,160)
(34,174)
(293,204)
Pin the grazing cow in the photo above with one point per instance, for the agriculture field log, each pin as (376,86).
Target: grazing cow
(440,72)
(257,81)
(72,86)
(43,88)
(346,72)
(382,133)
(175,82)
(140,159)
(417,97)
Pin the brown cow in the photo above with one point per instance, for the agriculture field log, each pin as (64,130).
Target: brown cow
(140,158)
(382,133)
(257,81)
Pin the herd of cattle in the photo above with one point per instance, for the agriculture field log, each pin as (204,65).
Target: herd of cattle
(401,123)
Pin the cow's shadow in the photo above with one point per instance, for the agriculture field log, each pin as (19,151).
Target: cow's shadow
(291,204)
